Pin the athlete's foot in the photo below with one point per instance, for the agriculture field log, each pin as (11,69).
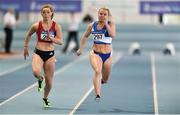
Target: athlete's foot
(40,87)
(102,81)
(46,103)
(97,98)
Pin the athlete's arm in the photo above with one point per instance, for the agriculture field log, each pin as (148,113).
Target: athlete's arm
(58,39)
(31,30)
(111,28)
(84,39)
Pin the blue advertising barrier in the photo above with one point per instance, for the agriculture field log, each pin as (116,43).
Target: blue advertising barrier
(35,5)
(159,7)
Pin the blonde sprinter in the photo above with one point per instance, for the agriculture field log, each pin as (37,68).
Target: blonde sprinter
(100,57)
(47,32)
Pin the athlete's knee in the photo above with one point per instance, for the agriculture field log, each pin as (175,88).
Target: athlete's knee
(97,71)
(36,72)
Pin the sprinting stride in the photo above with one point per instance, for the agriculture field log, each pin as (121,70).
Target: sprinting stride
(47,32)
(100,57)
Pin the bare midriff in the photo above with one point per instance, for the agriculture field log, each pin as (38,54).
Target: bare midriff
(102,48)
(45,46)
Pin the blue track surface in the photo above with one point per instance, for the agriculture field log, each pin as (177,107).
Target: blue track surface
(130,89)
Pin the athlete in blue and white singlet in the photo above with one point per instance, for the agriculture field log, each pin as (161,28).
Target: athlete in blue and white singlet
(100,36)
(100,57)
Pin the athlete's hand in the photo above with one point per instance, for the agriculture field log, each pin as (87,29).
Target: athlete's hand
(105,21)
(108,21)
(26,52)
(49,36)
(79,52)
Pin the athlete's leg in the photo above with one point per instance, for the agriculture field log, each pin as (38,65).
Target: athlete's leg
(106,70)
(49,67)
(37,64)
(96,64)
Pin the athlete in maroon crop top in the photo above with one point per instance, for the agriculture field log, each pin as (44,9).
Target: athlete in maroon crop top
(42,33)
(48,32)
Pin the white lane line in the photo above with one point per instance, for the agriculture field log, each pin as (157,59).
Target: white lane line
(14,69)
(154,84)
(56,72)
(18,94)
(115,60)
(82,100)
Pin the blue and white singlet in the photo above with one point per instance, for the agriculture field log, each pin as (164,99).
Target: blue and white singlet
(100,36)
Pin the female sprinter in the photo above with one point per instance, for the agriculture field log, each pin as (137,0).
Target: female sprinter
(47,32)
(100,57)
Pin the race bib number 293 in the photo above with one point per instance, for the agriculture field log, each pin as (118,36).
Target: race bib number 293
(98,36)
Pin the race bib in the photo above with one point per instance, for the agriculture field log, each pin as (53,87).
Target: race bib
(44,35)
(98,36)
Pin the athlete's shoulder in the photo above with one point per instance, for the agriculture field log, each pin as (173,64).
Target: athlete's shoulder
(54,22)
(34,26)
(57,25)
(90,25)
